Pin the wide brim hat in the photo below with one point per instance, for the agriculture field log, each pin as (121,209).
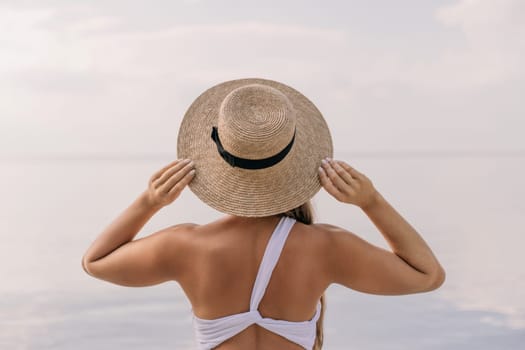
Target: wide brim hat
(256,145)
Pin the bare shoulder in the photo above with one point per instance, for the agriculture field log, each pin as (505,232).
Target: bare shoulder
(360,265)
(184,228)
(177,246)
(191,241)
(333,234)
(328,228)
(180,233)
(343,243)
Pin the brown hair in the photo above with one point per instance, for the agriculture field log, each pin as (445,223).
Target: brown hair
(305,214)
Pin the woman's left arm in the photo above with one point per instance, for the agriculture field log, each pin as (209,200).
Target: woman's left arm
(115,257)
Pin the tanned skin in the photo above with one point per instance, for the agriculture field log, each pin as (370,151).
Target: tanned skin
(216,263)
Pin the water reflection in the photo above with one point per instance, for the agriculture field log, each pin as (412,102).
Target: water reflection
(469,209)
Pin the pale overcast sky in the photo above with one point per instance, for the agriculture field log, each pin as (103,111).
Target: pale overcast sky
(115,77)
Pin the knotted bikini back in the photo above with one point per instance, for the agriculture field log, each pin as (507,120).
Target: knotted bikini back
(210,333)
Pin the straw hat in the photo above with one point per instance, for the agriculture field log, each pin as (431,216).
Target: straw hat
(256,145)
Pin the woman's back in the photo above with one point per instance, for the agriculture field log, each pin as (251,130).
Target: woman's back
(217,264)
(252,148)
(226,257)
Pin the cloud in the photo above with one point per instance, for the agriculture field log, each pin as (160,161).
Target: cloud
(494,32)
(487,24)
(97,72)
(81,73)
(22,42)
(492,51)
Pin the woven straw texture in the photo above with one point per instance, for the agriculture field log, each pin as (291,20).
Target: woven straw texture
(256,118)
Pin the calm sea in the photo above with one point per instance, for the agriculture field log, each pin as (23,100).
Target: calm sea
(469,208)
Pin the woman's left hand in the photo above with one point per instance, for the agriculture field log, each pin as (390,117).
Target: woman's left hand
(167,183)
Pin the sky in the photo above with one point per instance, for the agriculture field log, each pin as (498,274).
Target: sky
(114,78)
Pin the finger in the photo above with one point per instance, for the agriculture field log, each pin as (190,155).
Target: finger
(183,183)
(178,176)
(355,174)
(328,185)
(158,173)
(169,172)
(341,185)
(342,172)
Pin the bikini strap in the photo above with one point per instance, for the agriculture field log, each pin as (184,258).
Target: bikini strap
(269,260)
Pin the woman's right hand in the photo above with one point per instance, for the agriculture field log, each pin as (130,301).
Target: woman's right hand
(347,184)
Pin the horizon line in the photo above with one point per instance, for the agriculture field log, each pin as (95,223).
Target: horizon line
(87,156)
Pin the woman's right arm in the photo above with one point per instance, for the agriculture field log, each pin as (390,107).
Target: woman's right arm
(411,267)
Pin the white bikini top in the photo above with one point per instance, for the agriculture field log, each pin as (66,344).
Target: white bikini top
(211,333)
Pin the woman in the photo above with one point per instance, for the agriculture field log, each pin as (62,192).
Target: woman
(258,151)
